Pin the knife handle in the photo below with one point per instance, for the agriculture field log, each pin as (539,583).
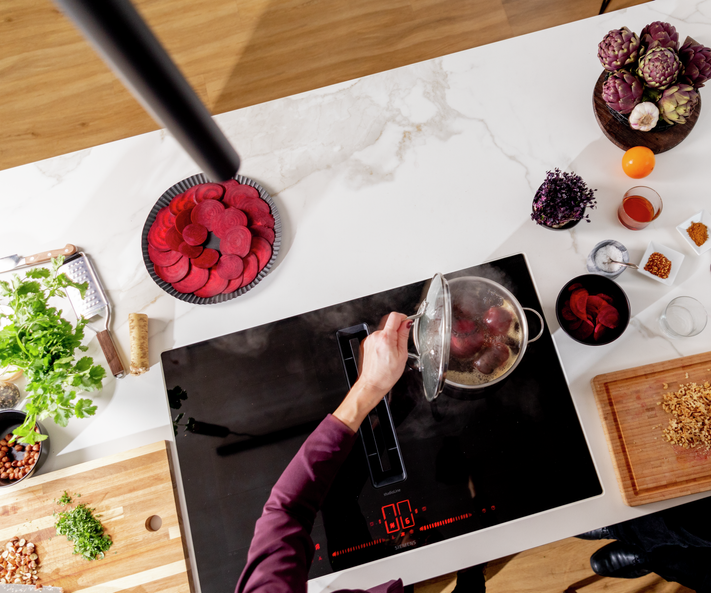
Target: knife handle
(45,256)
(111,354)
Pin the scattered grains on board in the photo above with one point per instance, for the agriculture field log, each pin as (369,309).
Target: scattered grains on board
(665,385)
(690,422)
(138,330)
(19,563)
(698,232)
(658,265)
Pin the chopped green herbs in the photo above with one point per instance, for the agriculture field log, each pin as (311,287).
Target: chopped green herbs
(65,499)
(80,526)
(36,338)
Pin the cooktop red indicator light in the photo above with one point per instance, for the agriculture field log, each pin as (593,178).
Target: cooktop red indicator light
(391,519)
(405,511)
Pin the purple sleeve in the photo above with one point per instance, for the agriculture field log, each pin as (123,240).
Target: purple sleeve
(281,552)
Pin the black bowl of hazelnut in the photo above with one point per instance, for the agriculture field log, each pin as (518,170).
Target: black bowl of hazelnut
(18,461)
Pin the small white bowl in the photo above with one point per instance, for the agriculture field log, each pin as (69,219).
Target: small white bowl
(703,217)
(675,257)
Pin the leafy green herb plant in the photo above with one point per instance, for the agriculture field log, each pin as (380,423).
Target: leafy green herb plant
(35,337)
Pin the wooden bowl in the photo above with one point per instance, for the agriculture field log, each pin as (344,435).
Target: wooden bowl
(624,137)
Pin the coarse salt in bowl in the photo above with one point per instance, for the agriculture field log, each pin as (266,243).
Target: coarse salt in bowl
(602,253)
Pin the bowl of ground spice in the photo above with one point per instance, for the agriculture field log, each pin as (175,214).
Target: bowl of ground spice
(696,231)
(660,263)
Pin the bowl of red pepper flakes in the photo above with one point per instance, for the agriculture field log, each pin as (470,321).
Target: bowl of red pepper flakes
(593,310)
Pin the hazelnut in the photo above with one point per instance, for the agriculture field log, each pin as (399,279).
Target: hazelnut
(36,447)
(19,448)
(4,448)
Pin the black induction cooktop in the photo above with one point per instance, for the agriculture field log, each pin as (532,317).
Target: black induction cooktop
(245,402)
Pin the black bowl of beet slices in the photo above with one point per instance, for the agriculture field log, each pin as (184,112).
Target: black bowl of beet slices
(207,243)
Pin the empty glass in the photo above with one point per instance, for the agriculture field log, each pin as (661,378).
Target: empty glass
(683,317)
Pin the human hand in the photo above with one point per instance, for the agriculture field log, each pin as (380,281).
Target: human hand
(384,358)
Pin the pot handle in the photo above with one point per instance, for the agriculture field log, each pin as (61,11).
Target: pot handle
(540,318)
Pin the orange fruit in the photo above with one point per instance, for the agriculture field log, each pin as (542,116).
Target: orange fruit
(638,162)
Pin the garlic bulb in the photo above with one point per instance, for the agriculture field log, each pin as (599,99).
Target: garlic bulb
(644,117)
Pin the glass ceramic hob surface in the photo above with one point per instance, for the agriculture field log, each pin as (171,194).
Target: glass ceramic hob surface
(250,399)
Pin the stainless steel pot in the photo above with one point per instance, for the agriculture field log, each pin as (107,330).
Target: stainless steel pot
(432,332)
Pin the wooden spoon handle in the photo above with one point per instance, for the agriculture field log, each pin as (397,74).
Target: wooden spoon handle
(111,354)
(45,256)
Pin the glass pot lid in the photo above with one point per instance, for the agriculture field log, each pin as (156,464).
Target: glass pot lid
(432,334)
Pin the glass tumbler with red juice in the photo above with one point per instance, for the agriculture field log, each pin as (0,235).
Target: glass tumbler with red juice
(640,206)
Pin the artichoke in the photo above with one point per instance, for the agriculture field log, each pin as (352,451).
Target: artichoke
(622,91)
(678,103)
(695,62)
(618,48)
(659,34)
(659,67)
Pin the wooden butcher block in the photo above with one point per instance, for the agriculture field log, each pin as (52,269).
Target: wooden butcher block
(127,490)
(649,468)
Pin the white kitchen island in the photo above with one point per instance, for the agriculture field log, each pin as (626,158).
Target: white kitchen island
(380,182)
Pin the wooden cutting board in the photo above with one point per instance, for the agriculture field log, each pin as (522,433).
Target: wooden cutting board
(126,490)
(649,468)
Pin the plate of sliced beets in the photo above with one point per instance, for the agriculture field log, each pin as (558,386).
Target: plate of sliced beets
(593,310)
(207,243)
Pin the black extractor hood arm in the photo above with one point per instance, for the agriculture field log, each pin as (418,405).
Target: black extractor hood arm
(127,44)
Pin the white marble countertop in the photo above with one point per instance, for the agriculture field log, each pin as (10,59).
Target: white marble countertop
(380,182)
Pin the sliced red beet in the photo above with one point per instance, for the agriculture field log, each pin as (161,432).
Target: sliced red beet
(575,324)
(230,267)
(567,313)
(584,331)
(259,218)
(175,272)
(156,237)
(250,203)
(215,285)
(262,249)
(593,305)
(207,212)
(604,297)
(163,258)
(183,219)
(192,251)
(195,280)
(578,301)
(173,238)
(194,234)
(599,332)
(234,192)
(165,217)
(609,316)
(208,191)
(207,258)
(233,285)
(251,269)
(492,358)
(181,202)
(264,232)
(229,219)
(236,242)
(575,286)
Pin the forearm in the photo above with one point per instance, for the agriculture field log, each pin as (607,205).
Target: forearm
(281,552)
(357,404)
